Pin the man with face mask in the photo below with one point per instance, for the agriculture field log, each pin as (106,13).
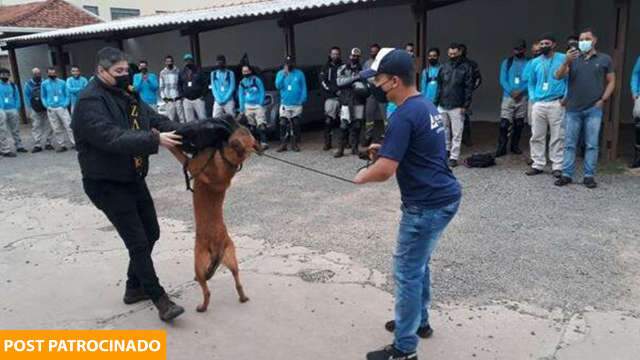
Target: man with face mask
(413,150)
(251,98)
(353,97)
(41,129)
(330,91)
(546,92)
(146,84)
(376,111)
(223,85)
(75,84)
(429,76)
(193,87)
(55,97)
(116,132)
(635,94)
(591,82)
(292,84)
(10,140)
(455,86)
(514,99)
(170,91)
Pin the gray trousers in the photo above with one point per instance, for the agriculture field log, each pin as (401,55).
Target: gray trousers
(228,108)
(12,121)
(41,129)
(454,126)
(7,145)
(547,115)
(193,109)
(174,110)
(60,121)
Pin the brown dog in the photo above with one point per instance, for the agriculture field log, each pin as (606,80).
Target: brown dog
(212,171)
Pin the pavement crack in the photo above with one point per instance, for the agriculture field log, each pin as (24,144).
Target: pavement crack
(12,245)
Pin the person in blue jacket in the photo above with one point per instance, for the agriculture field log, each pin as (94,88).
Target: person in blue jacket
(635,92)
(75,84)
(55,98)
(223,85)
(292,85)
(146,84)
(429,76)
(547,111)
(513,110)
(10,140)
(251,98)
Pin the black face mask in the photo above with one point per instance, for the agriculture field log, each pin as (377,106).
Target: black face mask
(4,79)
(53,77)
(545,50)
(144,71)
(37,78)
(122,81)
(378,94)
(433,62)
(191,67)
(519,55)
(170,66)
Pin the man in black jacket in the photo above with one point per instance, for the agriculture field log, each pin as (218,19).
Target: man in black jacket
(193,85)
(477,81)
(330,91)
(353,97)
(455,86)
(115,133)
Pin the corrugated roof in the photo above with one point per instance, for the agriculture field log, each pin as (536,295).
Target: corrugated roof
(45,14)
(225,10)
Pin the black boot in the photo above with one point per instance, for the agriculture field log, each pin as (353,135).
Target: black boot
(295,134)
(132,296)
(518,125)
(327,134)
(262,135)
(167,309)
(503,138)
(284,133)
(636,147)
(355,136)
(342,140)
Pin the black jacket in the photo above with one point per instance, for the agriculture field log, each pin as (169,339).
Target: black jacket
(193,84)
(475,73)
(353,89)
(455,85)
(105,140)
(328,78)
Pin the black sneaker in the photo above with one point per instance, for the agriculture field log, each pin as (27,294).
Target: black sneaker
(22,150)
(590,183)
(424,332)
(132,296)
(36,149)
(453,163)
(533,171)
(564,180)
(9,154)
(391,353)
(62,149)
(556,174)
(167,309)
(49,147)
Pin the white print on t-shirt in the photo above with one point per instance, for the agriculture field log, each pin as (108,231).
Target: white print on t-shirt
(436,121)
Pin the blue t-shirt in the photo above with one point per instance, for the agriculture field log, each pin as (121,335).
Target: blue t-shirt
(415,139)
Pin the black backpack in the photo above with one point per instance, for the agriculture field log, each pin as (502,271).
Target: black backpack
(36,97)
(480,160)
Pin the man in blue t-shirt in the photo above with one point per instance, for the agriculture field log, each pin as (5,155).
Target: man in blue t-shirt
(413,149)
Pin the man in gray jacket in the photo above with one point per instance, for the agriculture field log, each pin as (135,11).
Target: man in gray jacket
(375,111)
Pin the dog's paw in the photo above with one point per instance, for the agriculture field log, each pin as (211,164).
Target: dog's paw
(244,299)
(201,308)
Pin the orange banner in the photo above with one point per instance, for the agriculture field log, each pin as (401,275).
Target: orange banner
(83,344)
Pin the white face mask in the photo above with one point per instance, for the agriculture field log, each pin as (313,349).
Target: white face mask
(585,45)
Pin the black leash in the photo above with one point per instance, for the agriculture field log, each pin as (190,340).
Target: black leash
(314,170)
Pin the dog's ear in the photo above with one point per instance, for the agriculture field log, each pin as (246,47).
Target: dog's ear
(238,147)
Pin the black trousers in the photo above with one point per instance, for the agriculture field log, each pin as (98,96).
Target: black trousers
(130,209)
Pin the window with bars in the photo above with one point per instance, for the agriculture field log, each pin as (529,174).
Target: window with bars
(92,9)
(120,13)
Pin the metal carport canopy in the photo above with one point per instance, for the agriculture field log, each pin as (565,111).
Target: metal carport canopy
(231,12)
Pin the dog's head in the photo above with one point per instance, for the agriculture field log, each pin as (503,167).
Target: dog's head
(241,145)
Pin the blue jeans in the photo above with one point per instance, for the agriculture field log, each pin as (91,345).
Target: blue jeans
(590,120)
(419,232)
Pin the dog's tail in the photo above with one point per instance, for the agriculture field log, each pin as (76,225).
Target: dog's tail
(216,260)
